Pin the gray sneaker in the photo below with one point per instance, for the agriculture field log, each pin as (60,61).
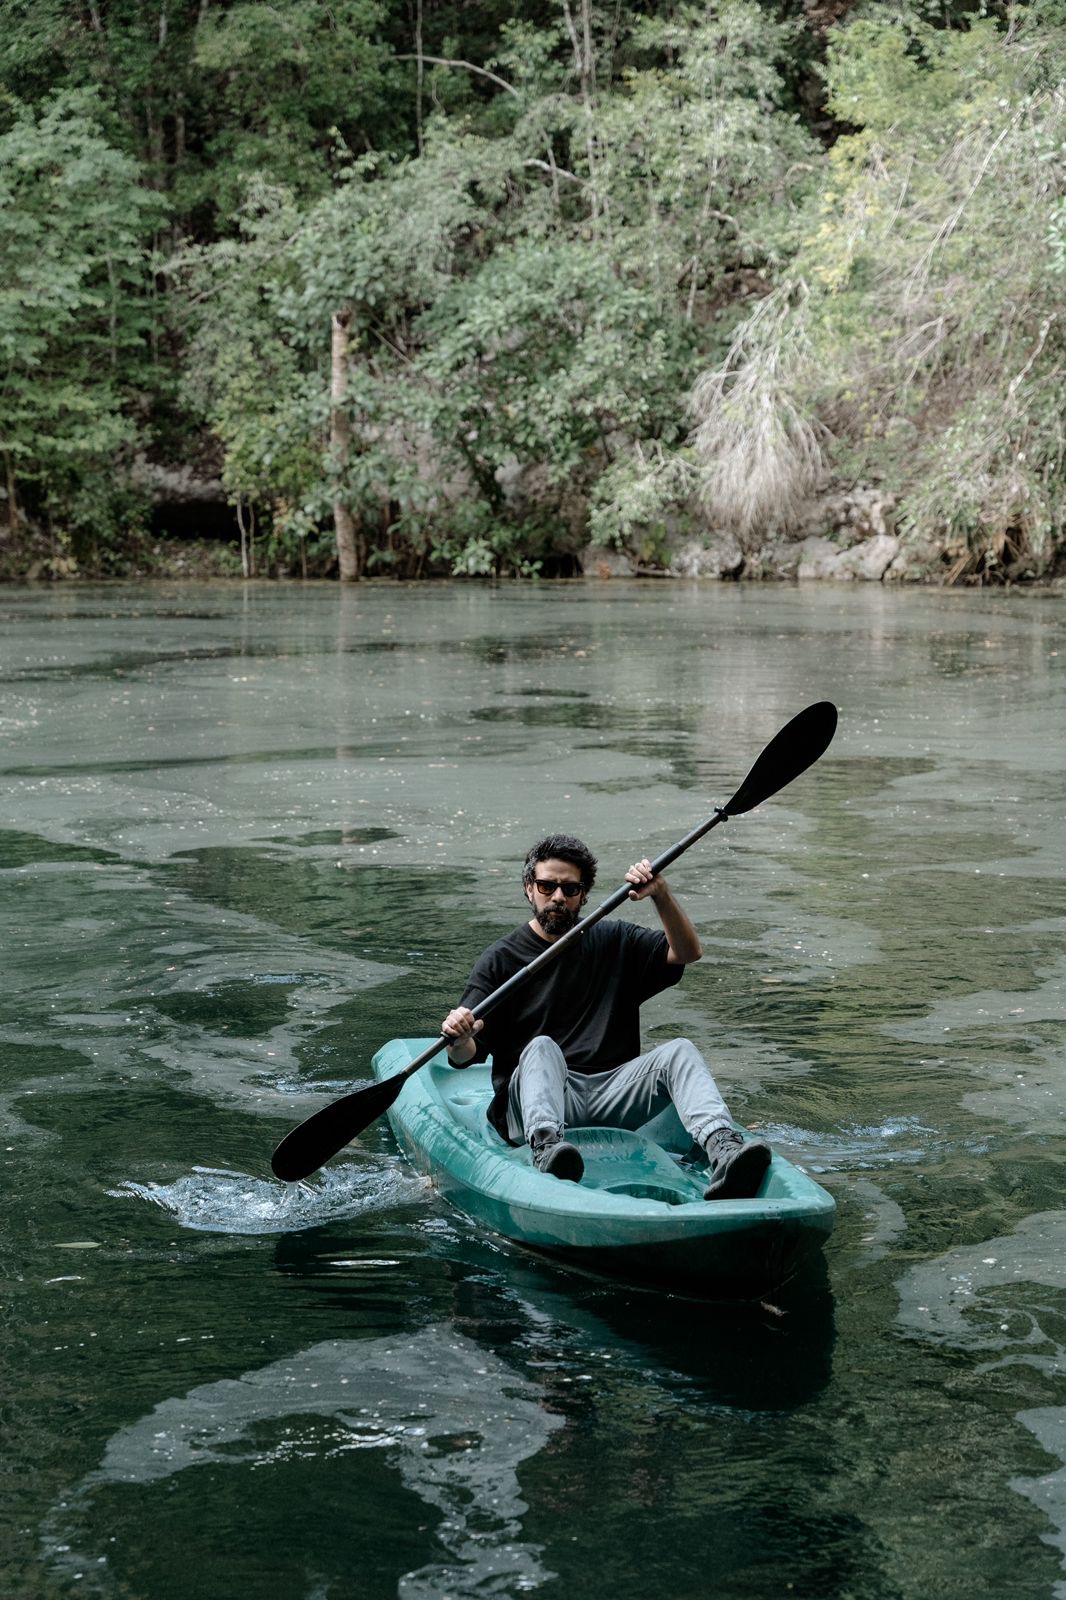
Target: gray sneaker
(558,1158)
(737,1165)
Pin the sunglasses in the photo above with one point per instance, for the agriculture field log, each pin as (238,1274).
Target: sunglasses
(549,885)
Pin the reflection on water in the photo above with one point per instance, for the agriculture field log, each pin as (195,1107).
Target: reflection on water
(471,1434)
(253,832)
(455,1422)
(954,1298)
(749,1356)
(1006,1298)
(1048,1491)
(850,1149)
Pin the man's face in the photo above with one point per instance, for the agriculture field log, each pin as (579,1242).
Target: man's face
(556,910)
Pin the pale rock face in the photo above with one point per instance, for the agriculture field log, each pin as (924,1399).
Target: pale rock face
(817,557)
(869,560)
(720,557)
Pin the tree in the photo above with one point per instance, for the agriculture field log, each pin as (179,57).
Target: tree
(914,339)
(936,259)
(711,182)
(514,312)
(448,295)
(73,222)
(204,95)
(300,352)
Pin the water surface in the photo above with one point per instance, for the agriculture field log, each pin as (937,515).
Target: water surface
(252,833)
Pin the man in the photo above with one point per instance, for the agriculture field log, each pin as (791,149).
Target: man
(565,1046)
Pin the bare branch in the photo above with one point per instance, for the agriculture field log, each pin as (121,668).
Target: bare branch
(557,172)
(467,66)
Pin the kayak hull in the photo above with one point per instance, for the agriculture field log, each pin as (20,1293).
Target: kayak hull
(638,1215)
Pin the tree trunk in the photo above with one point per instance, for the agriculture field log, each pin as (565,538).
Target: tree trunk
(12,493)
(340,438)
(420,75)
(247,545)
(585,66)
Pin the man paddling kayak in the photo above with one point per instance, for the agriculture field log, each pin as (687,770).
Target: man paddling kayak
(566,1050)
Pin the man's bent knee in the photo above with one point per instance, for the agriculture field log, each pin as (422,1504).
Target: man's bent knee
(541,1044)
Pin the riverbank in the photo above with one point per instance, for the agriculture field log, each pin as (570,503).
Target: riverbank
(879,558)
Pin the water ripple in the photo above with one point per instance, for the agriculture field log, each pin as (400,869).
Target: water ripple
(897,1141)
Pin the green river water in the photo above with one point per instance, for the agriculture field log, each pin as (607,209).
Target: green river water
(250,834)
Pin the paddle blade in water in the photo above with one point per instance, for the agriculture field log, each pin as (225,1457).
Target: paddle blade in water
(310,1146)
(790,752)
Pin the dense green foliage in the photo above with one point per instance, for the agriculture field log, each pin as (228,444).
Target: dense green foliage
(73,311)
(480,290)
(939,264)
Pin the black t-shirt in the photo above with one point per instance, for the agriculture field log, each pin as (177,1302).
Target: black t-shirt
(588,1000)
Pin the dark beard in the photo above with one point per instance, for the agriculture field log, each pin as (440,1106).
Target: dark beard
(557,922)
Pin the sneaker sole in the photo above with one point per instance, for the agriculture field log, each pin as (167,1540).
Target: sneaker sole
(741,1176)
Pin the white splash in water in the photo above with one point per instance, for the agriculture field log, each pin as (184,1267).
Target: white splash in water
(213,1200)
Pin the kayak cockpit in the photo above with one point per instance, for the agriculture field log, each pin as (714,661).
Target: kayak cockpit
(638,1166)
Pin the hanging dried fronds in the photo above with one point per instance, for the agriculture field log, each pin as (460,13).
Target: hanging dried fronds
(759,452)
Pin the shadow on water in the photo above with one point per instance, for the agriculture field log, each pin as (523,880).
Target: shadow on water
(305,896)
(127,663)
(423,1432)
(461,1399)
(333,837)
(742,1355)
(18,849)
(491,650)
(584,714)
(538,692)
(222,758)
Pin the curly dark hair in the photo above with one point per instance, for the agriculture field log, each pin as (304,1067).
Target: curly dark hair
(561,847)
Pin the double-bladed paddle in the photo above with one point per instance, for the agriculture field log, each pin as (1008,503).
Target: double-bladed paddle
(790,752)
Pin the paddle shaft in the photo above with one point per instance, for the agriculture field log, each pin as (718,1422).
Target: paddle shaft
(556,948)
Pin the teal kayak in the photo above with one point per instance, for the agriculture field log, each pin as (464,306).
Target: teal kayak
(638,1214)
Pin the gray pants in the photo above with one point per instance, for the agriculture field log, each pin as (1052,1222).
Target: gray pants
(544,1097)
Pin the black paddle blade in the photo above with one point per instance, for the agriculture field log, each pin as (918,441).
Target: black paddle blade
(790,752)
(310,1146)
